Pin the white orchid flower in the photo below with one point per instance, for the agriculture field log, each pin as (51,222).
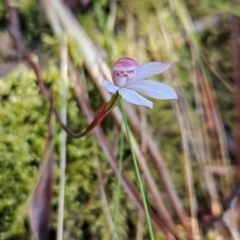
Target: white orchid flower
(129,79)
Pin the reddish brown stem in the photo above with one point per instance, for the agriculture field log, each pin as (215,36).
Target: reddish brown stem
(235,37)
(40,208)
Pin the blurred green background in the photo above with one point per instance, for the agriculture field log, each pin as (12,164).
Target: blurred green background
(196,36)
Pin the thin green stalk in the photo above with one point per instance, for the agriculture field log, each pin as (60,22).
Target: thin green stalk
(137,173)
(119,179)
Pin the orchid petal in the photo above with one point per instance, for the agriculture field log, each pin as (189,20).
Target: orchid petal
(148,70)
(153,89)
(110,87)
(134,98)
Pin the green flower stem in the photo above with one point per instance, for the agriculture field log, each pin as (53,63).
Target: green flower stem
(119,179)
(138,174)
(113,102)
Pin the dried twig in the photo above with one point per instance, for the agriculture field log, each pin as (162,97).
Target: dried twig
(63,136)
(235,37)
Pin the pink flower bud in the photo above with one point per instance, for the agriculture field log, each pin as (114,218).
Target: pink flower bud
(123,69)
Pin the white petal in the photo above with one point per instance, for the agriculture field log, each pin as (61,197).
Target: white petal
(149,69)
(111,88)
(153,89)
(134,98)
